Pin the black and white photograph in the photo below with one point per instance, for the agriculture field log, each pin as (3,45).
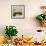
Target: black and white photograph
(17,11)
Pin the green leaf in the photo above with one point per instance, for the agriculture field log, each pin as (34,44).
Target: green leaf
(40,18)
(10,31)
(45,16)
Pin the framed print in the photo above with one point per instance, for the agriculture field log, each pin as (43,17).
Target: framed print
(17,11)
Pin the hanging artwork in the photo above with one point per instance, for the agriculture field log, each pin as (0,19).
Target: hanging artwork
(17,11)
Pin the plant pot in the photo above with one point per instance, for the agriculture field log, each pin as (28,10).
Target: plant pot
(43,23)
(13,38)
(9,41)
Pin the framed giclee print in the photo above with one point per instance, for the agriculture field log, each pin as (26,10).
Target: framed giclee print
(17,11)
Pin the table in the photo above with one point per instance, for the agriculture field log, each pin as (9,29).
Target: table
(25,44)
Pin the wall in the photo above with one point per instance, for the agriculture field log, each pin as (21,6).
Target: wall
(25,26)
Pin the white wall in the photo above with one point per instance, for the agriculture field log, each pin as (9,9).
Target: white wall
(26,26)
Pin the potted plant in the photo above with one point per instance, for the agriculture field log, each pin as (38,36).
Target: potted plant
(10,31)
(42,17)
